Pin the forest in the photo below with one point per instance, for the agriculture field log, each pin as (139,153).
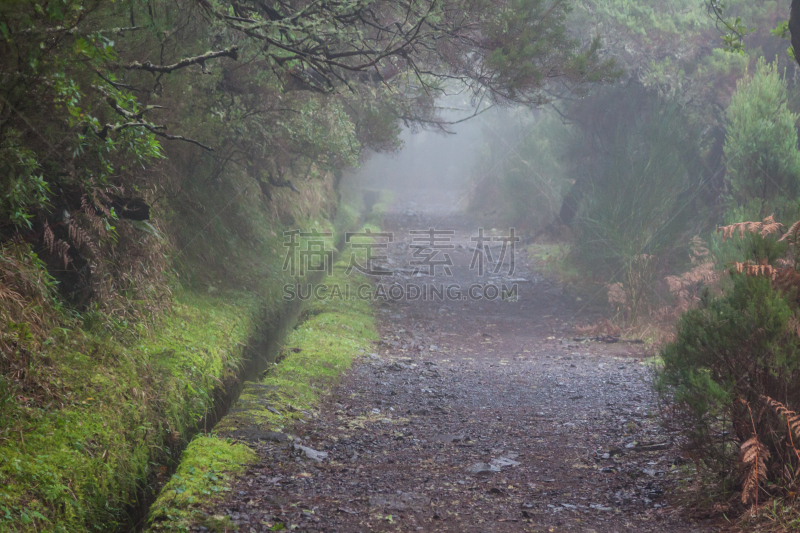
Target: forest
(158,158)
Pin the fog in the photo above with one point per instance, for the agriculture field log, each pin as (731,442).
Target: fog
(429,159)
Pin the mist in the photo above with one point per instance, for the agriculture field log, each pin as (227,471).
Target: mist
(366,265)
(428,159)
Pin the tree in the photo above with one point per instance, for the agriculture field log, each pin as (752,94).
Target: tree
(763,161)
(96,95)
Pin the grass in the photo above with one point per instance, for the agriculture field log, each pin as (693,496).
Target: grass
(333,333)
(206,470)
(552,260)
(103,411)
(774,516)
(76,463)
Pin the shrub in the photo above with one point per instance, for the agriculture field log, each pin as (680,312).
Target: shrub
(732,355)
(763,162)
(637,208)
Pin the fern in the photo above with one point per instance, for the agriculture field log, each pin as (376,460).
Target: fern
(80,237)
(792,234)
(57,247)
(753,455)
(60,249)
(767,227)
(792,418)
(751,269)
(685,286)
(49,238)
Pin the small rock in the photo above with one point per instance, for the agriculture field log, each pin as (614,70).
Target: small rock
(599,507)
(503,462)
(483,469)
(311,453)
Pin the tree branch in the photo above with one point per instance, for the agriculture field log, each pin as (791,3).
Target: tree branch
(152,128)
(231,52)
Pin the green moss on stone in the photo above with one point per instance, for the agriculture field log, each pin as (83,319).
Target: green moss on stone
(206,469)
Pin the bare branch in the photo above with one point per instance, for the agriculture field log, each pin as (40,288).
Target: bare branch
(153,128)
(231,52)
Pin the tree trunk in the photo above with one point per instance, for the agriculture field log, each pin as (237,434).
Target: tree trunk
(794,29)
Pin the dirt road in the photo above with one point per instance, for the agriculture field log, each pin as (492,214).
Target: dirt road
(474,416)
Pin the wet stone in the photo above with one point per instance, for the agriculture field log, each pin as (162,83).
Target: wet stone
(482,469)
(503,462)
(311,453)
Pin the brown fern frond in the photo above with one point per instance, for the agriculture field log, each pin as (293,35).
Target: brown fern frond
(49,238)
(616,294)
(80,237)
(90,212)
(792,418)
(786,279)
(792,234)
(767,227)
(96,203)
(699,249)
(751,269)
(753,455)
(60,248)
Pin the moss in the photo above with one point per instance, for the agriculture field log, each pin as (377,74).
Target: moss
(109,409)
(120,410)
(205,473)
(114,407)
(335,331)
(385,200)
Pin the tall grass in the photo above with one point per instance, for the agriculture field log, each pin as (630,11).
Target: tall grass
(637,206)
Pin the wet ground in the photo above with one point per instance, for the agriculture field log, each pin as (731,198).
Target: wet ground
(473,415)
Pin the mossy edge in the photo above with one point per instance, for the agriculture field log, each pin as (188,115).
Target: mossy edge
(322,347)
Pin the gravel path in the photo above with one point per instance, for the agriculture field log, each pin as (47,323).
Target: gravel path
(473,416)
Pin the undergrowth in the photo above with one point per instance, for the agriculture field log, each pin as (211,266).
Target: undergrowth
(95,407)
(730,380)
(76,462)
